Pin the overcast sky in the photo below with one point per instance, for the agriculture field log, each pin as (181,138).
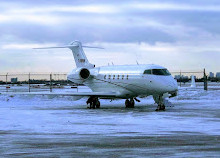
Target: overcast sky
(180,35)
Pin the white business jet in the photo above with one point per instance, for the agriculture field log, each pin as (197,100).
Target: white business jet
(120,82)
(117,81)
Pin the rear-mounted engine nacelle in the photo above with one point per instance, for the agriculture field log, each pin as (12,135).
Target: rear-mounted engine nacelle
(84,73)
(79,75)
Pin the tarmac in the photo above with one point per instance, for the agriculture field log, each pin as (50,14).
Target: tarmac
(59,127)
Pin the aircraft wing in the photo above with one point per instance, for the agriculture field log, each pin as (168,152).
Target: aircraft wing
(80,94)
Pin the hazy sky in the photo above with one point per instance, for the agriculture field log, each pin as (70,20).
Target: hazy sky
(176,34)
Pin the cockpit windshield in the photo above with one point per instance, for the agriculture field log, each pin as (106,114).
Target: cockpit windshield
(163,72)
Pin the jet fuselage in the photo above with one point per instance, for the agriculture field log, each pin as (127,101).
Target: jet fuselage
(129,80)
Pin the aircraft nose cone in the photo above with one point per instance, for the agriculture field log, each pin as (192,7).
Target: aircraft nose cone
(171,86)
(166,85)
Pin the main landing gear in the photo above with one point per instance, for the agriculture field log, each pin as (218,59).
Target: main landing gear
(130,103)
(93,102)
(160,102)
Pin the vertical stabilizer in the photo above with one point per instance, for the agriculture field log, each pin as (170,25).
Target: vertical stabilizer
(79,55)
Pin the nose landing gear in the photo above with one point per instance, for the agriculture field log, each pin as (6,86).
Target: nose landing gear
(160,102)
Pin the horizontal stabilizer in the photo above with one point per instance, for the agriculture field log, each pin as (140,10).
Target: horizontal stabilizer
(68,46)
(93,47)
(51,47)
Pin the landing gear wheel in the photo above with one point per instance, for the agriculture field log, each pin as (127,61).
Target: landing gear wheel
(132,103)
(160,108)
(129,104)
(163,107)
(90,102)
(98,104)
(160,101)
(93,102)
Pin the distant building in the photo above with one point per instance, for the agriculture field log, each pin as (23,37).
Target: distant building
(181,77)
(14,80)
(211,74)
(217,74)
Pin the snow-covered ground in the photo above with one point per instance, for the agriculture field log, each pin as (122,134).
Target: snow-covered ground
(39,126)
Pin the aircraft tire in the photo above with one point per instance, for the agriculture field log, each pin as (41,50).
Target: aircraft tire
(132,103)
(127,103)
(93,105)
(163,107)
(98,104)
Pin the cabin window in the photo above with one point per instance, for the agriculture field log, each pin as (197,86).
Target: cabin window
(127,77)
(109,76)
(118,77)
(113,77)
(105,77)
(122,77)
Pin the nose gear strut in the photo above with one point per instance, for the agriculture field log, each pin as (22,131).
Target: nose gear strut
(160,102)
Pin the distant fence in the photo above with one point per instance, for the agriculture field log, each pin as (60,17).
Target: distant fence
(58,79)
(33,80)
(185,76)
(21,77)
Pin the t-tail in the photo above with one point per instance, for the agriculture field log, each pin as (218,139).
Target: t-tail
(78,53)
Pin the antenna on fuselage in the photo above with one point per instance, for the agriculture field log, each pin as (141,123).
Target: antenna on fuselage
(137,62)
